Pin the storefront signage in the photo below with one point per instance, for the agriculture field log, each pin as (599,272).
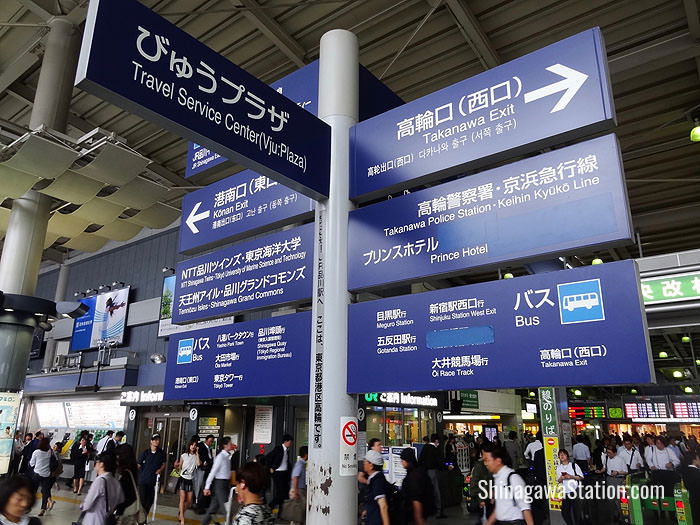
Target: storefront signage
(552,95)
(135,397)
(470,399)
(575,327)
(400,398)
(269,357)
(646,407)
(671,288)
(104,323)
(539,207)
(243,204)
(139,61)
(268,271)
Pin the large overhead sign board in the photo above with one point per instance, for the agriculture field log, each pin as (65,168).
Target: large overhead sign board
(136,59)
(268,271)
(558,93)
(539,207)
(269,357)
(575,327)
(243,204)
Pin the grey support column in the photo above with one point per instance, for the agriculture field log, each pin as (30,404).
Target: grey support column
(59,295)
(332,494)
(26,232)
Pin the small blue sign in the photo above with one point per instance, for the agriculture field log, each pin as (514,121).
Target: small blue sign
(141,62)
(509,333)
(271,270)
(541,207)
(185,349)
(200,159)
(269,357)
(240,205)
(553,95)
(581,302)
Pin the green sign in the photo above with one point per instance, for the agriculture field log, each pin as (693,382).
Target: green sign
(470,398)
(548,412)
(671,288)
(615,413)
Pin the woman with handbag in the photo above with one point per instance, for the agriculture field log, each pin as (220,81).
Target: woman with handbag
(17,497)
(42,463)
(104,495)
(129,511)
(188,463)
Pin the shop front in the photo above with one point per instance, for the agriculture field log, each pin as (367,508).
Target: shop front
(398,418)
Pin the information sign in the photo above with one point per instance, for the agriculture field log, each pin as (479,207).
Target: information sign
(269,357)
(671,288)
(686,406)
(577,411)
(268,271)
(646,407)
(540,207)
(470,399)
(550,96)
(244,204)
(348,446)
(262,426)
(573,327)
(141,62)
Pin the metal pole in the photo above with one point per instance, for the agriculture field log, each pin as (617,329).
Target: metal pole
(332,497)
(59,295)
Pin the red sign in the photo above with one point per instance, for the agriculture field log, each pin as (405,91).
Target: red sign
(550,442)
(349,433)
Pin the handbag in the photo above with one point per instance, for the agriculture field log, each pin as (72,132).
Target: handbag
(173,480)
(134,513)
(111,518)
(79,521)
(293,510)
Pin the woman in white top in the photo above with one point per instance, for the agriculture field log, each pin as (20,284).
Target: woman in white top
(41,464)
(569,474)
(188,463)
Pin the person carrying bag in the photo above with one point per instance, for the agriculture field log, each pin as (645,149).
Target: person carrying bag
(134,513)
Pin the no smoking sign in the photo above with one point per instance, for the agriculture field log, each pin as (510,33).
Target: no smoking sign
(348,449)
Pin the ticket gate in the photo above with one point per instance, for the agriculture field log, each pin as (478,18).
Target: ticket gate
(635,510)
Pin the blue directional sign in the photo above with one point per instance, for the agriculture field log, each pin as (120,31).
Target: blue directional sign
(271,270)
(243,204)
(269,357)
(546,205)
(505,334)
(553,95)
(139,61)
(301,87)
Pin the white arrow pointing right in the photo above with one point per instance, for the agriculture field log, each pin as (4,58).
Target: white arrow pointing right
(573,80)
(195,217)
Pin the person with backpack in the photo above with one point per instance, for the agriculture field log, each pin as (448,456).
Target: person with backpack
(416,490)
(570,475)
(376,501)
(512,505)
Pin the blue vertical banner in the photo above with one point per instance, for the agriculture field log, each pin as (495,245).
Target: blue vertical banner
(571,327)
(269,357)
(558,93)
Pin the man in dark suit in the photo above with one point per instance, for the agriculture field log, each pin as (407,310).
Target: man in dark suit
(206,460)
(432,461)
(691,478)
(280,463)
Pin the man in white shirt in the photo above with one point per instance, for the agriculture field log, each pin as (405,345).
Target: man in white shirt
(630,455)
(615,471)
(582,454)
(102,444)
(219,481)
(533,447)
(280,463)
(662,457)
(512,502)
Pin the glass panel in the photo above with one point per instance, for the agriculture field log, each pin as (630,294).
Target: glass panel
(172,445)
(411,425)
(394,426)
(375,423)
(427,423)
(301,432)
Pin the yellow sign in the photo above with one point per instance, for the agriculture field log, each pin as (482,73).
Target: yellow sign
(551,459)
(208,421)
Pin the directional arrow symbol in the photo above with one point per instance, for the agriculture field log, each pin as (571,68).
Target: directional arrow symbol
(573,80)
(195,217)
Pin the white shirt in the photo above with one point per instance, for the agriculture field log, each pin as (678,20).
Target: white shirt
(570,485)
(221,468)
(616,464)
(188,466)
(283,466)
(102,444)
(632,457)
(581,452)
(530,451)
(41,462)
(505,509)
(660,458)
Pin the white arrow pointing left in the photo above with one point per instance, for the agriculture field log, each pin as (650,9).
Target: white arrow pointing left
(573,80)
(195,217)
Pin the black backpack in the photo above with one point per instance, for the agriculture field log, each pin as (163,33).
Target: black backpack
(395,501)
(53,463)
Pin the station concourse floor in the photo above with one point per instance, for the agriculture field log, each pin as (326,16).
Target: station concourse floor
(67,510)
